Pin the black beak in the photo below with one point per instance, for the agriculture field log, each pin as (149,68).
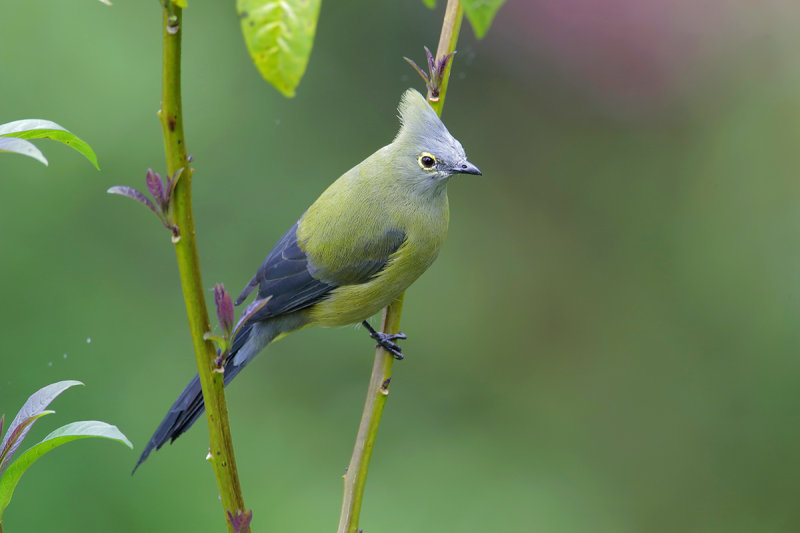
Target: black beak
(467,168)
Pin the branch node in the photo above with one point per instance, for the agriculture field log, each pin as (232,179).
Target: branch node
(173,26)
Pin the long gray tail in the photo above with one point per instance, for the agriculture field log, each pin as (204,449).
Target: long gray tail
(189,405)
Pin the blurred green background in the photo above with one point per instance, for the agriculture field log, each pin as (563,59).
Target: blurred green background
(608,342)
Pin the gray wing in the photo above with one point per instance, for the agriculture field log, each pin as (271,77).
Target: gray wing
(294,284)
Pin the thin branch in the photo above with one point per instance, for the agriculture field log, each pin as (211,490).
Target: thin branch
(171,115)
(451,26)
(356,477)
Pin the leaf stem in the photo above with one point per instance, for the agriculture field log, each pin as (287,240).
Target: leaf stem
(171,116)
(377,393)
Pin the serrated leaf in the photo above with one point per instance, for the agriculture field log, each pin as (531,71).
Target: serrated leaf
(279,35)
(63,435)
(18,146)
(33,408)
(46,129)
(480,14)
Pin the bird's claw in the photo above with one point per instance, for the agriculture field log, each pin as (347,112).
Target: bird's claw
(385,341)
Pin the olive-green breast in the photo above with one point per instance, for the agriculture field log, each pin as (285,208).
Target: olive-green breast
(358,225)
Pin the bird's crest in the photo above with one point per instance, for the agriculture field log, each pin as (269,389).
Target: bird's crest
(418,120)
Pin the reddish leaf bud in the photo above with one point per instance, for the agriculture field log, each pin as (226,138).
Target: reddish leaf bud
(224,308)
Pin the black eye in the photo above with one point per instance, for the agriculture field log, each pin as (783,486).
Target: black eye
(427,161)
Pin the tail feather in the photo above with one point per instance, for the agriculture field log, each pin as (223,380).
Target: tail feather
(189,405)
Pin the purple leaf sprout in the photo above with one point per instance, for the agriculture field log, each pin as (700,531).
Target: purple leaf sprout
(161,191)
(132,193)
(222,299)
(435,76)
(224,309)
(156,188)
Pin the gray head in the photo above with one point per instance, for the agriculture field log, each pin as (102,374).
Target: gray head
(426,150)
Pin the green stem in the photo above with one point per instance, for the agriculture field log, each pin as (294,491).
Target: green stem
(356,477)
(453,15)
(171,115)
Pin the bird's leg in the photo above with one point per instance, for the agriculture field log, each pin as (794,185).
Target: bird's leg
(385,340)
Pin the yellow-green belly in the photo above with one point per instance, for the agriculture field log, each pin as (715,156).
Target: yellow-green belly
(350,304)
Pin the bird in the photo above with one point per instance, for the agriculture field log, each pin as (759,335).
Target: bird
(354,251)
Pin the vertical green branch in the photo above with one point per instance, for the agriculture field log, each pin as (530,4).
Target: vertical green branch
(171,116)
(356,476)
(451,26)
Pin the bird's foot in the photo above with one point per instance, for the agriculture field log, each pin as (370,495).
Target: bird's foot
(385,340)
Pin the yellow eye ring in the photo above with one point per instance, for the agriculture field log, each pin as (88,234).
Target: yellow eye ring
(426,161)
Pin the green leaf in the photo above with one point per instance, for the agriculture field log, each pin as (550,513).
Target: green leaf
(64,434)
(279,35)
(480,14)
(429,3)
(219,340)
(18,146)
(16,437)
(32,409)
(46,129)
